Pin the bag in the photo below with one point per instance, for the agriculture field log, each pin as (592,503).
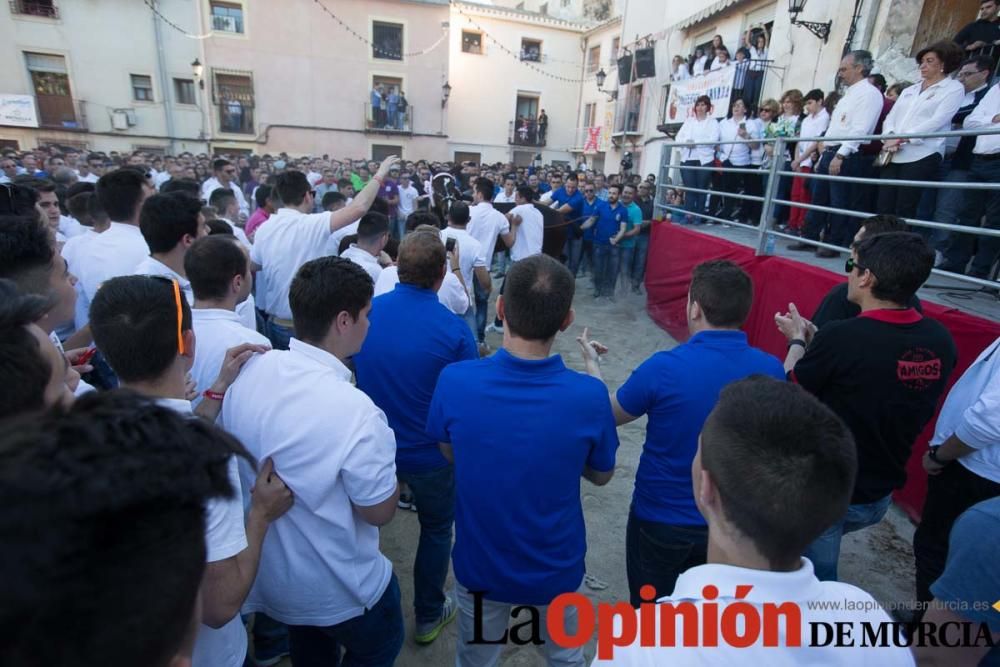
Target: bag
(884,159)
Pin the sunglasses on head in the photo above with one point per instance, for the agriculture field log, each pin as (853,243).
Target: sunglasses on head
(181,349)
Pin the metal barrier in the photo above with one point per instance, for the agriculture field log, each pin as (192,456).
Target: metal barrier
(774,172)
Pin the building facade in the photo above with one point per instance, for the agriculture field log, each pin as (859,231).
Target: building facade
(422,78)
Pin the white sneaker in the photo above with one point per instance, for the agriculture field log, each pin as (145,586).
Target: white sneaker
(493,328)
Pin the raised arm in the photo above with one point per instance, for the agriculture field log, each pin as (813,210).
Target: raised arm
(362,200)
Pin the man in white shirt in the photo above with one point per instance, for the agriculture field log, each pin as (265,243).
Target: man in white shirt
(373,232)
(506,196)
(408,197)
(293,236)
(856,114)
(170,223)
(321,571)
(121,248)
(982,250)
(226,205)
(528,226)
(143,327)
(219,270)
(963,463)
(471,258)
(760,519)
(452,293)
(486,224)
(225,177)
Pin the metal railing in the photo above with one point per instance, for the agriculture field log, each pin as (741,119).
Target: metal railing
(30,8)
(774,171)
(388,119)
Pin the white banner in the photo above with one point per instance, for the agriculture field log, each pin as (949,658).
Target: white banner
(18,110)
(718,85)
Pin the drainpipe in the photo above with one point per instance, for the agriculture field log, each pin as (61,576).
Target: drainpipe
(161,59)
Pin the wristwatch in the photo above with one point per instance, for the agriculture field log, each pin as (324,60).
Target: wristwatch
(932,453)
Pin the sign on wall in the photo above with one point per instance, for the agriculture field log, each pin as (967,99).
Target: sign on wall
(593,139)
(18,110)
(718,85)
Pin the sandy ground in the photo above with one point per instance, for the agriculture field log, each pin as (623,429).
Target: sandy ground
(879,559)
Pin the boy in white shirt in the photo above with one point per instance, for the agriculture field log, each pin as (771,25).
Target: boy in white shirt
(170,223)
(774,469)
(486,224)
(321,571)
(373,233)
(142,324)
(471,256)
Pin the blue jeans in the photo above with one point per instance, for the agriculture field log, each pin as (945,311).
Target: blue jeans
(780,211)
(657,553)
(470,317)
(627,256)
(581,255)
(983,250)
(948,207)
(817,222)
(606,258)
(851,197)
(639,261)
(270,637)
(373,639)
(434,493)
(482,306)
(694,202)
(824,552)
(278,335)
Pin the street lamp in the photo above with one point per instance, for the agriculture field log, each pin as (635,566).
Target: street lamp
(601,77)
(197,69)
(821,30)
(445,93)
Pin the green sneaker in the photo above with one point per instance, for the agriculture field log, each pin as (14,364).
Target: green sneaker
(428,632)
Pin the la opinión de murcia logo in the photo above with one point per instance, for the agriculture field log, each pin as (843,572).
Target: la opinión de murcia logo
(707,624)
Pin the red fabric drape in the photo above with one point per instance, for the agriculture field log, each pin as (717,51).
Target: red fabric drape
(675,251)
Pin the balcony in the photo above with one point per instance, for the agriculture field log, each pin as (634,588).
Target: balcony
(60,112)
(525,132)
(388,121)
(34,8)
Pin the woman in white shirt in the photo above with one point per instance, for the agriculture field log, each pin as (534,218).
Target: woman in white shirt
(721,59)
(927,106)
(756,42)
(680,71)
(700,127)
(813,125)
(734,155)
(700,62)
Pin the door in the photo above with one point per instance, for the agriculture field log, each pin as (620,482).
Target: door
(527,107)
(467,156)
(50,83)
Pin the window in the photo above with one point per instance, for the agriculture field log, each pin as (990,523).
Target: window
(50,83)
(227,17)
(234,96)
(44,8)
(589,114)
(382,151)
(531,49)
(472,42)
(616,45)
(387,41)
(594,59)
(544,9)
(184,91)
(142,88)
(565,3)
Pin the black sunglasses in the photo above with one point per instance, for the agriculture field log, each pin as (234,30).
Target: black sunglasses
(850,265)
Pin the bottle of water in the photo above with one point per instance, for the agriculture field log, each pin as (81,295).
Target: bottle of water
(769,245)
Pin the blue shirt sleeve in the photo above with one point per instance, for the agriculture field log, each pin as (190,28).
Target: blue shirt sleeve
(636,396)
(437,415)
(971,578)
(602,453)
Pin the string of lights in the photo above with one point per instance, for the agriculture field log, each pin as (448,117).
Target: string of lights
(173,25)
(379,49)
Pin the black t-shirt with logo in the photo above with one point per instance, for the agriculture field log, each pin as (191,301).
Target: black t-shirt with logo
(835,306)
(883,373)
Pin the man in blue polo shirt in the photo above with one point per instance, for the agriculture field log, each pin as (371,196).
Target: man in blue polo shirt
(399,374)
(609,226)
(678,389)
(582,253)
(568,200)
(522,429)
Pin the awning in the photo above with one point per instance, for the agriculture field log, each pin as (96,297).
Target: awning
(706,13)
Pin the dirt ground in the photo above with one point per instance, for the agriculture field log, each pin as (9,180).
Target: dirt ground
(878,559)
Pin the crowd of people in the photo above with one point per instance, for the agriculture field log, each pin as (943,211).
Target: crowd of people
(390,109)
(750,62)
(953,93)
(217,360)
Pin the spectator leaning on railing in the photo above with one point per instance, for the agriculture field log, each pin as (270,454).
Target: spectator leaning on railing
(702,128)
(856,114)
(927,106)
(814,124)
